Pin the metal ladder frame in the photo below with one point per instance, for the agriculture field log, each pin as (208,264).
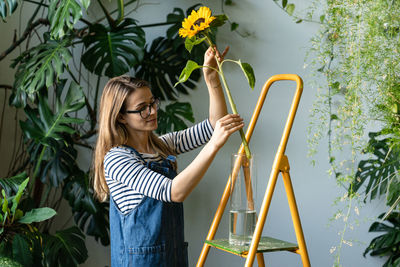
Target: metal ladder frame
(280,165)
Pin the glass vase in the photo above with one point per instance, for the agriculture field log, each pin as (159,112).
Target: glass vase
(242,211)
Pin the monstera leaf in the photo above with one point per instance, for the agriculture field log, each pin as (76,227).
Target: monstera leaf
(65,248)
(40,65)
(113,51)
(377,172)
(44,126)
(388,243)
(89,214)
(64,14)
(7,7)
(161,67)
(58,162)
(174,116)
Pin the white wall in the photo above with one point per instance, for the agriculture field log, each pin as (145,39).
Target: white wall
(277,45)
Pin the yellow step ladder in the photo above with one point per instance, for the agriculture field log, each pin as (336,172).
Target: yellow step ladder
(260,245)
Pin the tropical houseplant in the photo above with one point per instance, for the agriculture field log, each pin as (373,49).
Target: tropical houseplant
(62,51)
(355,52)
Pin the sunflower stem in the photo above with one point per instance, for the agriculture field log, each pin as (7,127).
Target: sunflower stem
(229,95)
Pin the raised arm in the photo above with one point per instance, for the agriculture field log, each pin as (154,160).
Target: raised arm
(217,100)
(187,180)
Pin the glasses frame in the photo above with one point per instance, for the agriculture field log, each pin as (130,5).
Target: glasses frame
(154,104)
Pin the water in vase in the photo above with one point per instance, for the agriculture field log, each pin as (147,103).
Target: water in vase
(241,226)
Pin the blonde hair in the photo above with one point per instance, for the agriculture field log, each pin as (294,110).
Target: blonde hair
(112,133)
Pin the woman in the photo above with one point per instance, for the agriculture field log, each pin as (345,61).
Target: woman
(138,169)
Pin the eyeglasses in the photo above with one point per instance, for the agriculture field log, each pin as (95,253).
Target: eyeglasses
(146,110)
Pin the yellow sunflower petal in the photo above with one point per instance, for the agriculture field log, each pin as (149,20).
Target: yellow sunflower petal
(196,22)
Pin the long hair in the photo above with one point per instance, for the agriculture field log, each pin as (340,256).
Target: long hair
(112,133)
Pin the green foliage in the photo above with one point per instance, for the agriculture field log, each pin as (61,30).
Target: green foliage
(249,73)
(387,244)
(7,262)
(112,51)
(66,248)
(60,107)
(174,116)
(90,215)
(41,65)
(161,65)
(11,184)
(7,7)
(379,172)
(187,71)
(64,14)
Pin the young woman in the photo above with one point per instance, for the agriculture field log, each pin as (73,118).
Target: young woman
(138,169)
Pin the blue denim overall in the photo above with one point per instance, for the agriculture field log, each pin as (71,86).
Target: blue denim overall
(152,234)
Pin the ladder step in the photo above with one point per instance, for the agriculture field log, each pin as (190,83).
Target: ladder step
(266,244)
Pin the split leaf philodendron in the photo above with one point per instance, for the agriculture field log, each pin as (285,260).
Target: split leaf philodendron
(196,28)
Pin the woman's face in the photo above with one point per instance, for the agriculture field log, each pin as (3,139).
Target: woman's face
(137,100)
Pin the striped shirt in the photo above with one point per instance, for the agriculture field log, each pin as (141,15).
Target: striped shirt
(128,178)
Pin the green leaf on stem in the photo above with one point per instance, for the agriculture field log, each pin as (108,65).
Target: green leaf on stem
(63,15)
(37,215)
(185,74)
(191,42)
(234,26)
(18,196)
(249,73)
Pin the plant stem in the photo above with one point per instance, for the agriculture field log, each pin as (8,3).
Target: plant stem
(229,95)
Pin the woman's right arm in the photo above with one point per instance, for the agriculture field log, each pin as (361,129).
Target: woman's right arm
(187,180)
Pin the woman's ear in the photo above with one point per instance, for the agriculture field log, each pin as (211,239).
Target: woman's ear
(121,119)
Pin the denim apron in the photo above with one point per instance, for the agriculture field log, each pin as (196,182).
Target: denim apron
(152,234)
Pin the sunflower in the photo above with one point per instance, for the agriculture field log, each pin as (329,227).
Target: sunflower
(196,22)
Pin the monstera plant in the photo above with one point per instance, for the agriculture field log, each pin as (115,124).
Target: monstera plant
(61,53)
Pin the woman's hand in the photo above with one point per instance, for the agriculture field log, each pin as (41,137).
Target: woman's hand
(210,75)
(224,127)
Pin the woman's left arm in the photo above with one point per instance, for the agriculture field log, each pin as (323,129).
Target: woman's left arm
(218,107)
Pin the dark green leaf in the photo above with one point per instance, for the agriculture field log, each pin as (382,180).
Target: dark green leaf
(10,184)
(284,3)
(174,116)
(21,251)
(249,73)
(7,7)
(218,21)
(113,51)
(66,248)
(234,26)
(161,67)
(299,21)
(388,243)
(63,14)
(334,117)
(40,65)
(90,215)
(37,215)
(376,172)
(290,9)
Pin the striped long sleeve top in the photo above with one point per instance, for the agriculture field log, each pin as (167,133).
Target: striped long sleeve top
(128,178)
